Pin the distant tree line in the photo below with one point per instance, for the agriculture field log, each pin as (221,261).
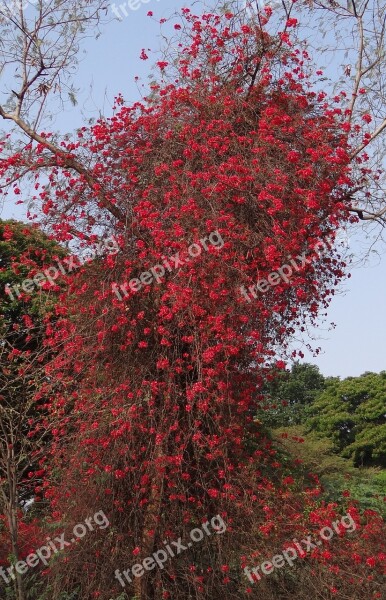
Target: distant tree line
(350,412)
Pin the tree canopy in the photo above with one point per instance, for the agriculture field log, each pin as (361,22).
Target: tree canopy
(353,413)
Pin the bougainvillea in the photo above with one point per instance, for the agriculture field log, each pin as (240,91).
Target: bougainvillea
(159,384)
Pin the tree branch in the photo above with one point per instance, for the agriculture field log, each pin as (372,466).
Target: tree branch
(69,162)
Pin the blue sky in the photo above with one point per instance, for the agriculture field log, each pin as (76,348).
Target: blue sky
(108,66)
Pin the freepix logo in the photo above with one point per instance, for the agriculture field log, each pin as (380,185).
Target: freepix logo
(69,264)
(14,7)
(286,271)
(252,7)
(44,553)
(157,272)
(295,550)
(160,557)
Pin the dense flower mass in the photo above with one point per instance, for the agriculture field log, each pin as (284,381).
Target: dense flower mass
(154,394)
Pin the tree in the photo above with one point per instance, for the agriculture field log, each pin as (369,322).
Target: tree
(353,413)
(24,250)
(240,163)
(288,394)
(221,162)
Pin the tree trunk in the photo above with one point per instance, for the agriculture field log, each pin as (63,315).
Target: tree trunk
(12,509)
(143,585)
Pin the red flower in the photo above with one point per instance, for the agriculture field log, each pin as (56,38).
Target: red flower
(371,562)
(7,233)
(288,480)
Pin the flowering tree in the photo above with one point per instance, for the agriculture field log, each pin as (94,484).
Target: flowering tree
(235,171)
(348,39)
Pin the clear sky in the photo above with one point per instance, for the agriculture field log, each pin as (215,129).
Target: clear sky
(109,66)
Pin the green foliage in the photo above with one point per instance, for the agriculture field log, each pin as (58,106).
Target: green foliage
(352,413)
(23,249)
(289,393)
(315,452)
(336,429)
(336,474)
(369,488)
